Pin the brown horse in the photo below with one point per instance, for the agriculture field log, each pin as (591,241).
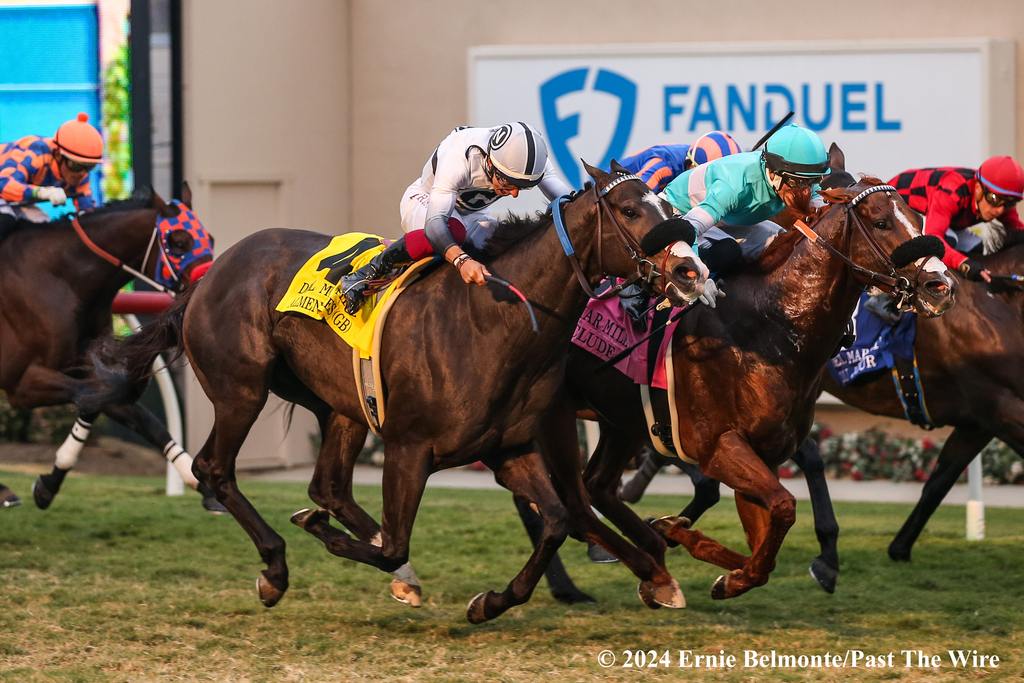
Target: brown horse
(969,362)
(55,299)
(467,378)
(768,341)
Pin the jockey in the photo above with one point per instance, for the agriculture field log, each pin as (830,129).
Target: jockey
(953,199)
(470,170)
(35,168)
(729,200)
(659,165)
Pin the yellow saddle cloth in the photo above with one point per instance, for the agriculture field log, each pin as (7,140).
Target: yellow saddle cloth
(311,294)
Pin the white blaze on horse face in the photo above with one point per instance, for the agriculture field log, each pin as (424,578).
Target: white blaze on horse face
(902,218)
(654,201)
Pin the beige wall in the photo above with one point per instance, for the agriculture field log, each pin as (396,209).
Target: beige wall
(410,94)
(266,145)
(318,113)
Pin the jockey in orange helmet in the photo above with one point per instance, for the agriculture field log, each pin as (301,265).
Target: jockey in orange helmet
(35,168)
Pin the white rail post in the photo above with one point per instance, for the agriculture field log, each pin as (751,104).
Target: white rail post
(169,397)
(975,506)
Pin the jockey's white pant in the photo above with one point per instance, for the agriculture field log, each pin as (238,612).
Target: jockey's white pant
(480,225)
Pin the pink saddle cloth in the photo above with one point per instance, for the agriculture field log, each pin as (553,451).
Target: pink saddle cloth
(605,330)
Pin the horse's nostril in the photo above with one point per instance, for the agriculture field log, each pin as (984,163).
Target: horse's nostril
(938,287)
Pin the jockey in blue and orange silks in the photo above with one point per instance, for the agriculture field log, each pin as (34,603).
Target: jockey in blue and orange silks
(37,168)
(661,164)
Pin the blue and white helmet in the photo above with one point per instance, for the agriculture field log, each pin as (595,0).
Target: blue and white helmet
(518,154)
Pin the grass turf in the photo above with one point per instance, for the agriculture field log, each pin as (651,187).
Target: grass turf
(118,582)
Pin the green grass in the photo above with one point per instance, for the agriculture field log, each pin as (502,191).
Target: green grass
(118,582)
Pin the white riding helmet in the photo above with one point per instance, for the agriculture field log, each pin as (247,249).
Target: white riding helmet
(518,154)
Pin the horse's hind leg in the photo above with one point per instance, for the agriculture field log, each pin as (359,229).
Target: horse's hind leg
(331,488)
(47,486)
(825,567)
(559,582)
(706,492)
(958,451)
(234,416)
(526,477)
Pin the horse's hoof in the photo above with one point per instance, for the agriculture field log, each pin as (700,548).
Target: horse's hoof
(476,610)
(718,588)
(898,553)
(668,595)
(269,594)
(572,597)
(824,574)
(306,517)
(599,555)
(41,495)
(210,502)
(8,498)
(406,593)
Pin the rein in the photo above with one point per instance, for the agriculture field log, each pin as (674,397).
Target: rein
(629,242)
(113,260)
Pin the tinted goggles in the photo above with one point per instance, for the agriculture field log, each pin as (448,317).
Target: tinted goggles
(999,200)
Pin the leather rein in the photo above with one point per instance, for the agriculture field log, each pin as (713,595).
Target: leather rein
(116,262)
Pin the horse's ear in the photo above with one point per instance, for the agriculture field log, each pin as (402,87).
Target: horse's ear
(162,207)
(594,172)
(186,194)
(619,168)
(836,158)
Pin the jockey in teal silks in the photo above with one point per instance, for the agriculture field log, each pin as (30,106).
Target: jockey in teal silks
(729,201)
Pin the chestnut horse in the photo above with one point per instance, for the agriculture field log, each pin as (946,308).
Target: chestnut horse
(55,299)
(467,378)
(748,373)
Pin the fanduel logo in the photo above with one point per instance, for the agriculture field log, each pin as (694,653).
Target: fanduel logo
(560,130)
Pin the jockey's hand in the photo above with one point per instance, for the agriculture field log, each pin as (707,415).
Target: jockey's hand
(711,294)
(55,195)
(473,272)
(973,270)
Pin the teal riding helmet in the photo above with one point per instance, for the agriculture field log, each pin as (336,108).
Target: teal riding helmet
(796,151)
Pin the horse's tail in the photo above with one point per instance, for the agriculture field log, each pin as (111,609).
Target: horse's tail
(121,367)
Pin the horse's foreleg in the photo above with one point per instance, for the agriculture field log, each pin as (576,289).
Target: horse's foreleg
(825,567)
(651,463)
(958,451)
(766,509)
(602,476)
(706,492)
(526,477)
(331,488)
(559,582)
(560,448)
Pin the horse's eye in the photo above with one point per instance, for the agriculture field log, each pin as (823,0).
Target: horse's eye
(629,212)
(880,225)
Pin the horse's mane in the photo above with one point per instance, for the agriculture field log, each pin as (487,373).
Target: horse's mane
(509,231)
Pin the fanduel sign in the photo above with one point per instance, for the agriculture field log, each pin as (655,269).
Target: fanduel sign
(889,107)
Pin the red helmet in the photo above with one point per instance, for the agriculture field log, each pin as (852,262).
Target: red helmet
(1002,175)
(79,140)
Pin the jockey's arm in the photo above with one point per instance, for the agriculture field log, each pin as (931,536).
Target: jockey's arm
(937,221)
(552,184)
(14,186)
(656,173)
(83,196)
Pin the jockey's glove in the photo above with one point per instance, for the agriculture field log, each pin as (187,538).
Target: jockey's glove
(971,269)
(711,294)
(55,195)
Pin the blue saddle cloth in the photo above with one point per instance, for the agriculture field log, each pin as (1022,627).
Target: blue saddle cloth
(877,345)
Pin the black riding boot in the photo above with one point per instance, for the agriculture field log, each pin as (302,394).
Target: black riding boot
(355,284)
(884,307)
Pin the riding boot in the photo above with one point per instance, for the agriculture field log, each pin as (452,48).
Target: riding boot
(635,301)
(354,286)
(884,307)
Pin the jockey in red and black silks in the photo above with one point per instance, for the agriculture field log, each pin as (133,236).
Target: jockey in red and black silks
(953,199)
(37,168)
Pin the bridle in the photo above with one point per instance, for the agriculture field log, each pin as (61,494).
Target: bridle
(899,286)
(629,242)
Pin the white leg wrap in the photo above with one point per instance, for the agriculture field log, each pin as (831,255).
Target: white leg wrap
(67,454)
(182,461)
(404,573)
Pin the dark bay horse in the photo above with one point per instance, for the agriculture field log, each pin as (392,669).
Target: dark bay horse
(467,377)
(55,299)
(971,372)
(768,341)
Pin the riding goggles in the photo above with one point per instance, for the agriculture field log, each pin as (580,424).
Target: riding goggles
(1000,200)
(78,166)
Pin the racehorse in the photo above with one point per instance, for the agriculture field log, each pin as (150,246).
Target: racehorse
(471,380)
(969,362)
(57,285)
(768,341)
